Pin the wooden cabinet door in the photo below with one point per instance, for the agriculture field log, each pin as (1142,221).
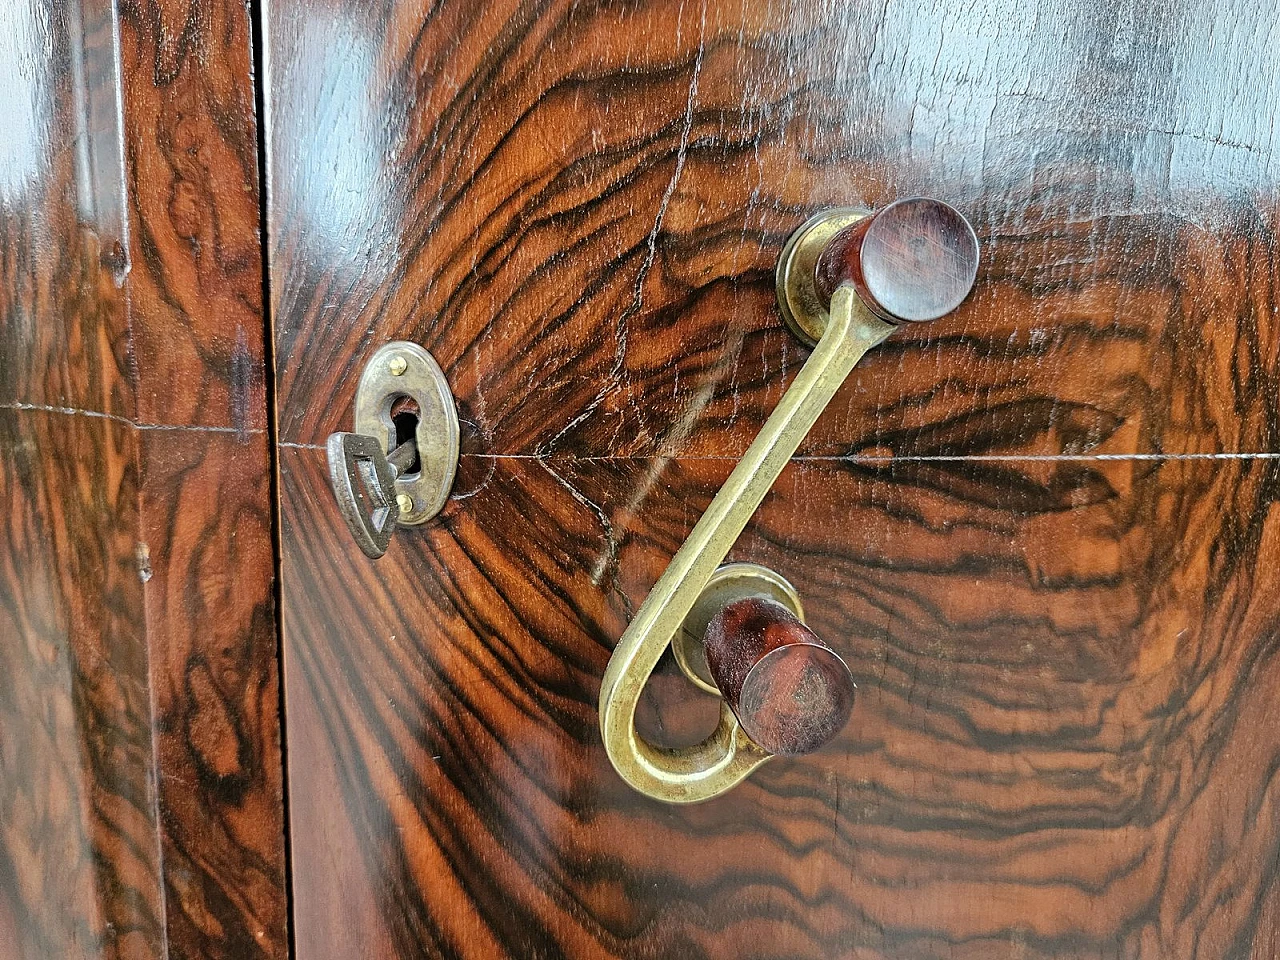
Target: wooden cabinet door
(1040,530)
(141,808)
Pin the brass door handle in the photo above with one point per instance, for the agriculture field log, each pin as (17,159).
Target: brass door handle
(845,279)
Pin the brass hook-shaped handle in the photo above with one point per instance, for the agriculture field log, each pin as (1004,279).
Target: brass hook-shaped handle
(914,260)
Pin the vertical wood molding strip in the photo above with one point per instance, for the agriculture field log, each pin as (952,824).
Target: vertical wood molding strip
(141,810)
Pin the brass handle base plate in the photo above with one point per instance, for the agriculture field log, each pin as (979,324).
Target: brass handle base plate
(798,298)
(730,582)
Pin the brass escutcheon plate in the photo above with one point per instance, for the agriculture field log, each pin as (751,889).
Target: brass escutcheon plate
(403,369)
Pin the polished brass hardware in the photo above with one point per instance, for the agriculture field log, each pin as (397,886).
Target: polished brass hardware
(799,300)
(721,761)
(377,482)
(842,329)
(703,771)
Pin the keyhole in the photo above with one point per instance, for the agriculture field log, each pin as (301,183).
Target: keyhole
(404,414)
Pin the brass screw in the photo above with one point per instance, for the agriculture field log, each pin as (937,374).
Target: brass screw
(404,502)
(397,365)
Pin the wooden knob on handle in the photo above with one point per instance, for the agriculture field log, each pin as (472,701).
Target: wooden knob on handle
(789,690)
(914,260)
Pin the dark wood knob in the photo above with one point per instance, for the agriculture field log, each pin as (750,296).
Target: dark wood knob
(914,260)
(789,690)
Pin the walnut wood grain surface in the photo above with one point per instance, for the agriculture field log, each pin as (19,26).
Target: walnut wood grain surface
(79,852)
(207,531)
(141,808)
(615,184)
(1051,756)
(1040,530)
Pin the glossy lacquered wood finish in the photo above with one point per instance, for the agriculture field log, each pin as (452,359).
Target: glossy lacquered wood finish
(1106,232)
(79,851)
(1040,530)
(1035,720)
(209,563)
(141,800)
